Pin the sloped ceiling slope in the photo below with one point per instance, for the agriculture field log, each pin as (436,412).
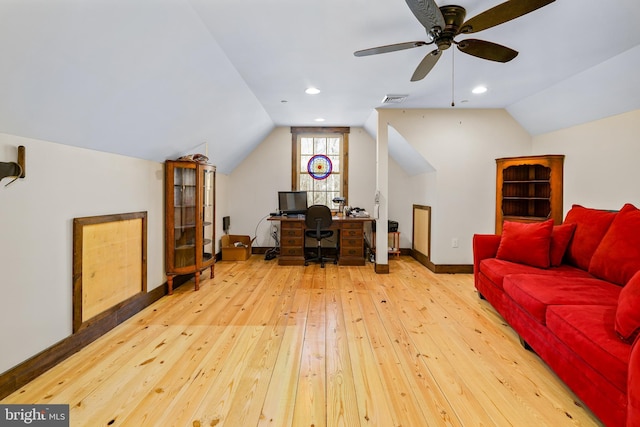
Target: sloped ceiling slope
(609,88)
(139,78)
(400,150)
(158,78)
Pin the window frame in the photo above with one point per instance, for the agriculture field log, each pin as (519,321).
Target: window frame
(299,132)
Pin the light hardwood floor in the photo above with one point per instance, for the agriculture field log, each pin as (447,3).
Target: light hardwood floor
(268,345)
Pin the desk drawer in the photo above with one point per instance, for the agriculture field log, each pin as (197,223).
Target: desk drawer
(291,232)
(291,251)
(347,233)
(351,225)
(352,242)
(291,241)
(352,251)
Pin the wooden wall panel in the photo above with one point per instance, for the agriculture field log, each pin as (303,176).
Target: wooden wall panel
(112,271)
(109,263)
(422,230)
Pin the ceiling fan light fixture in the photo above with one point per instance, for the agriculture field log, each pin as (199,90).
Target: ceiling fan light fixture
(479,90)
(312,91)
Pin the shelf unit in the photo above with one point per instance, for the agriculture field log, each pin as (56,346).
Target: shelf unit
(529,189)
(393,242)
(189,219)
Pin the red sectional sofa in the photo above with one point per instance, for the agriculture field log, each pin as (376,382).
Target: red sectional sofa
(572,293)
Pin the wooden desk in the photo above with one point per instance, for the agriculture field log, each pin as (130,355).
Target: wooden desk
(351,237)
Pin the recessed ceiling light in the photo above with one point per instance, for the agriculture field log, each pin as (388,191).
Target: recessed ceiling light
(479,89)
(319,119)
(312,91)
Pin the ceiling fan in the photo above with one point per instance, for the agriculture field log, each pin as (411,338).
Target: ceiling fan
(444,23)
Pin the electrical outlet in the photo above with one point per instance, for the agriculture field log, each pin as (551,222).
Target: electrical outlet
(454,242)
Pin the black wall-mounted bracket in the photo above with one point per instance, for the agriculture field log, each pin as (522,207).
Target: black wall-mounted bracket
(14,169)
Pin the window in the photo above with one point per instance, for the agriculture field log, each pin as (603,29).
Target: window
(319,164)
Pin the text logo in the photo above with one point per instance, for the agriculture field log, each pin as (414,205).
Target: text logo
(34,415)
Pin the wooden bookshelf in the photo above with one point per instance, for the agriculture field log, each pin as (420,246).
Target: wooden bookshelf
(529,189)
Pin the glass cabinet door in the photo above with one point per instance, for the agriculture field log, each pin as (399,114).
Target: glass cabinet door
(184,205)
(208,222)
(189,219)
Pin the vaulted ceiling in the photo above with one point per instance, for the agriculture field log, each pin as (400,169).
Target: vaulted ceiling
(157,78)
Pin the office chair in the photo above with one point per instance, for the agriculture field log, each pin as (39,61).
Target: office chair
(318,219)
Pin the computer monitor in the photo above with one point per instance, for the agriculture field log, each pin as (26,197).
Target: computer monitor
(292,202)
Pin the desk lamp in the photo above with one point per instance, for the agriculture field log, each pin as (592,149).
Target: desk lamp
(340,201)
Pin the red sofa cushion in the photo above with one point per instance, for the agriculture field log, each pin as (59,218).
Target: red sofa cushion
(496,270)
(591,226)
(527,243)
(588,329)
(617,257)
(628,313)
(534,293)
(560,237)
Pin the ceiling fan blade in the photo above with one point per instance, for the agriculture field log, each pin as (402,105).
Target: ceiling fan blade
(501,13)
(487,50)
(389,48)
(428,13)
(426,65)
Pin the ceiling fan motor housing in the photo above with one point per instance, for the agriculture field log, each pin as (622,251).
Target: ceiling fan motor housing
(453,19)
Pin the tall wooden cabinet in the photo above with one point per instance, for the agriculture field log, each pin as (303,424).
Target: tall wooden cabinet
(189,219)
(529,189)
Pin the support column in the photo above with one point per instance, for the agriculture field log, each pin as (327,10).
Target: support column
(382,191)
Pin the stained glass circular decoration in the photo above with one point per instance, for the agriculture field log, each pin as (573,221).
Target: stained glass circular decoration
(319,166)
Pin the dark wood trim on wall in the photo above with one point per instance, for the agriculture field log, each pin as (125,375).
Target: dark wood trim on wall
(381,268)
(79,253)
(427,209)
(320,129)
(28,370)
(384,268)
(442,268)
(453,269)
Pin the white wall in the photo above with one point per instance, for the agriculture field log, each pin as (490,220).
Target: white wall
(64,182)
(254,184)
(601,165)
(36,232)
(462,146)
(222,203)
(362,169)
(400,183)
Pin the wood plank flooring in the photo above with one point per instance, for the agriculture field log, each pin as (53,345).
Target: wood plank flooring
(268,345)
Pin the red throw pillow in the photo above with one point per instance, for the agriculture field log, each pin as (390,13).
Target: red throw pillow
(591,225)
(526,243)
(628,311)
(617,257)
(560,237)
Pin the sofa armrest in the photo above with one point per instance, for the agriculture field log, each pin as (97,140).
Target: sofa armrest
(484,246)
(633,385)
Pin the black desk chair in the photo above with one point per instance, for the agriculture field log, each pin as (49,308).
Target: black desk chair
(318,219)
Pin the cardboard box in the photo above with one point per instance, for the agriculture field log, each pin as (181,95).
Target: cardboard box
(235,248)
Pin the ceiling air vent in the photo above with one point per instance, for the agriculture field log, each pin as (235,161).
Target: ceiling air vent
(394,99)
